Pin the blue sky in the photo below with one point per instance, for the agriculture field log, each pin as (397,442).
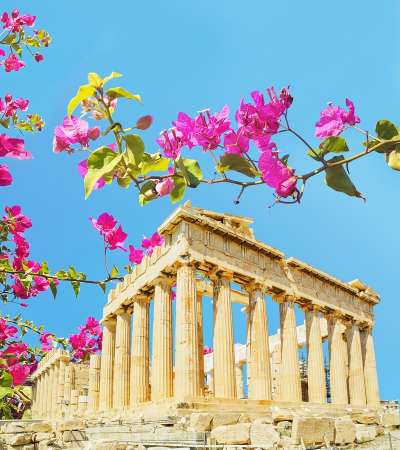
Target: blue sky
(185,56)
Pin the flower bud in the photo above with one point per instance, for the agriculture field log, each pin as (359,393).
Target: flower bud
(144,122)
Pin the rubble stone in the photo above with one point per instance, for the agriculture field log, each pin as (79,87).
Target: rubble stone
(232,434)
(366,418)
(74,435)
(365,433)
(345,431)
(391,419)
(263,435)
(225,419)
(72,424)
(200,421)
(312,429)
(37,437)
(40,427)
(18,438)
(13,427)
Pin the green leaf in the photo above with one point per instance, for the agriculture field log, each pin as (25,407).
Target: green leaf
(5,391)
(386,129)
(76,285)
(53,288)
(114,272)
(232,161)
(110,77)
(100,163)
(332,144)
(6,379)
(5,123)
(147,192)
(102,285)
(84,91)
(134,150)
(190,170)
(153,162)
(394,160)
(179,189)
(337,179)
(119,92)
(124,182)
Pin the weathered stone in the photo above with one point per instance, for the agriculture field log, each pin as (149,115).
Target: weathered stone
(148,428)
(263,435)
(45,445)
(345,431)
(366,418)
(200,421)
(74,435)
(13,427)
(224,419)
(72,424)
(312,429)
(111,446)
(40,427)
(232,434)
(18,439)
(282,415)
(37,437)
(365,433)
(262,419)
(284,428)
(390,419)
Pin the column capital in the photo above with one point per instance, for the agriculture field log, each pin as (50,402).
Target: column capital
(284,297)
(164,278)
(109,320)
(217,273)
(255,285)
(311,307)
(121,310)
(367,326)
(184,260)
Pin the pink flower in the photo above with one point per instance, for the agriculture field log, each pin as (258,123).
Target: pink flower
(2,52)
(21,246)
(83,170)
(143,123)
(207,350)
(105,223)
(46,340)
(13,148)
(73,131)
(113,237)
(5,175)
(6,331)
(150,244)
(116,239)
(41,283)
(39,57)
(236,143)
(334,118)
(208,128)
(275,173)
(12,63)
(92,325)
(87,341)
(135,255)
(185,125)
(16,221)
(9,106)
(19,373)
(15,22)
(171,142)
(15,349)
(165,187)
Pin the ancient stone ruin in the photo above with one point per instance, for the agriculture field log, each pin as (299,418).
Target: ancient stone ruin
(172,393)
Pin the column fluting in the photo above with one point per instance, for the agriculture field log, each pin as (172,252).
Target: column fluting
(107,364)
(122,360)
(94,383)
(356,367)
(370,372)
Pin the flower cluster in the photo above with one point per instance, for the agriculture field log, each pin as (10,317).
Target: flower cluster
(87,341)
(333,120)
(73,131)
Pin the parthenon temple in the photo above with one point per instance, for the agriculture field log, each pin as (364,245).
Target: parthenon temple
(147,361)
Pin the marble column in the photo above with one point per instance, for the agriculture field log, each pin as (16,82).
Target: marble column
(60,387)
(140,352)
(315,356)
(199,307)
(187,382)
(224,353)
(73,407)
(54,393)
(258,364)
(239,381)
(337,361)
(38,398)
(370,373)
(68,386)
(107,365)
(161,367)
(289,376)
(122,360)
(94,383)
(356,367)
(49,391)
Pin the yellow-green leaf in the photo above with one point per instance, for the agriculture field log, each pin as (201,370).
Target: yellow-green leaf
(94,79)
(84,91)
(394,160)
(337,179)
(119,92)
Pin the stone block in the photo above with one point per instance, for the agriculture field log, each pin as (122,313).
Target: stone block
(390,419)
(263,435)
(262,419)
(366,418)
(110,446)
(40,427)
(200,422)
(74,436)
(312,429)
(72,424)
(365,433)
(225,419)
(45,445)
(37,437)
(284,428)
(232,434)
(282,416)
(18,438)
(14,427)
(147,428)
(345,431)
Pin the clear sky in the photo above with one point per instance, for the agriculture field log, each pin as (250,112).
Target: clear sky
(185,56)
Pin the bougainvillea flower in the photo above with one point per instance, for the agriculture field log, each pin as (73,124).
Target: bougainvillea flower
(92,326)
(334,118)
(83,170)
(136,255)
(171,142)
(208,128)
(19,373)
(6,331)
(207,350)
(15,349)
(46,340)
(21,246)
(12,63)
(41,283)
(150,244)
(87,341)
(116,239)
(38,57)
(185,125)
(10,106)
(236,142)
(104,223)
(13,148)
(73,131)
(165,187)
(16,221)
(5,176)
(2,52)
(15,22)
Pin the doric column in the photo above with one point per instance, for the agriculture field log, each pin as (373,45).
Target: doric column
(94,383)
(60,386)
(239,381)
(161,367)
(140,352)
(356,367)
(199,307)
(49,391)
(224,353)
(73,407)
(107,365)
(258,365)
(187,383)
(54,393)
(37,399)
(315,357)
(289,376)
(337,361)
(68,386)
(122,360)
(370,373)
